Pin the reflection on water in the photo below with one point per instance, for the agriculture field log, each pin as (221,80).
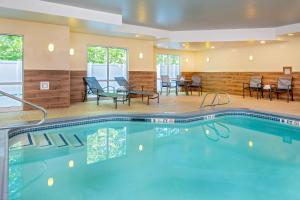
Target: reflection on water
(161,132)
(216,131)
(213,131)
(105,144)
(15,172)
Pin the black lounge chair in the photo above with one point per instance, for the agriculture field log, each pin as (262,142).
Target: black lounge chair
(255,84)
(196,83)
(284,85)
(93,87)
(130,90)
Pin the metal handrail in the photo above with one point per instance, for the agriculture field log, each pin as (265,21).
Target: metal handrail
(217,96)
(31,105)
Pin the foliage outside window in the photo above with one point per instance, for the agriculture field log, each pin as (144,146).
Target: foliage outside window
(11,47)
(98,55)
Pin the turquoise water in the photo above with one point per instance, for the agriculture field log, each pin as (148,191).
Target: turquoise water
(236,158)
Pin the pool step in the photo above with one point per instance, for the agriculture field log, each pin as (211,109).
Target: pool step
(74,140)
(23,140)
(59,140)
(42,140)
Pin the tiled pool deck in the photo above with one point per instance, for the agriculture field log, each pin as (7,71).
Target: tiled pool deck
(168,104)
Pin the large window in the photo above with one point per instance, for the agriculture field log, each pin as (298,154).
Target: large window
(11,69)
(106,63)
(167,65)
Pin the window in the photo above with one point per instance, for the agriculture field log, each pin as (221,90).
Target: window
(167,65)
(11,68)
(106,63)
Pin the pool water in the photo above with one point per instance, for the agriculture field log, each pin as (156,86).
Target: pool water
(236,158)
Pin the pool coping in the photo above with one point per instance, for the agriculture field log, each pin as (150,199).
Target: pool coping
(165,118)
(169,117)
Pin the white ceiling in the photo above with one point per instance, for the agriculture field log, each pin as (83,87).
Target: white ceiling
(198,14)
(224,25)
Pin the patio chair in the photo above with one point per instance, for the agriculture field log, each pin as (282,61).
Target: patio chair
(255,84)
(130,90)
(285,85)
(195,84)
(166,83)
(93,87)
(181,83)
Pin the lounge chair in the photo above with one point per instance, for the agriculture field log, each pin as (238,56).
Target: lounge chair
(93,87)
(196,83)
(284,85)
(166,83)
(255,84)
(130,90)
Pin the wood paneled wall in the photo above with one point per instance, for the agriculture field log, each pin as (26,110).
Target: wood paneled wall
(77,86)
(145,78)
(58,94)
(232,82)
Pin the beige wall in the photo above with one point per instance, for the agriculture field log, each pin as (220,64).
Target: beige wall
(267,58)
(80,42)
(186,65)
(37,36)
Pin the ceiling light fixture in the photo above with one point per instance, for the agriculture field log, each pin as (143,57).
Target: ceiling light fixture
(213,47)
(291,34)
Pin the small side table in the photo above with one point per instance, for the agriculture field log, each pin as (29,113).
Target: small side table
(267,88)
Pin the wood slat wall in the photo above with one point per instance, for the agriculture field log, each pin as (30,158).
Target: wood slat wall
(231,82)
(57,96)
(77,86)
(145,78)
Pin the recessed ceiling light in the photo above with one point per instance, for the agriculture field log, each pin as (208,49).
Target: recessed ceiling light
(263,42)
(291,34)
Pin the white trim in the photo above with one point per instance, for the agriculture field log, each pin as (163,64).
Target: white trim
(62,10)
(56,9)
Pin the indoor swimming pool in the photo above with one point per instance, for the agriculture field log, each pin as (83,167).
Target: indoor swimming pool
(228,157)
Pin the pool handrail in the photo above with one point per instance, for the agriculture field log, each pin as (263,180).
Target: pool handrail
(43,110)
(217,95)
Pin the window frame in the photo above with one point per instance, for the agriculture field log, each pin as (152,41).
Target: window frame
(107,62)
(13,83)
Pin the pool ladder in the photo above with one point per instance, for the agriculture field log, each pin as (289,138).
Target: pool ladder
(29,104)
(217,96)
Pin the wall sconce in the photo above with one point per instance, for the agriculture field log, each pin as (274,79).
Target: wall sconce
(187,60)
(141,55)
(51,47)
(251,58)
(208,59)
(72,52)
